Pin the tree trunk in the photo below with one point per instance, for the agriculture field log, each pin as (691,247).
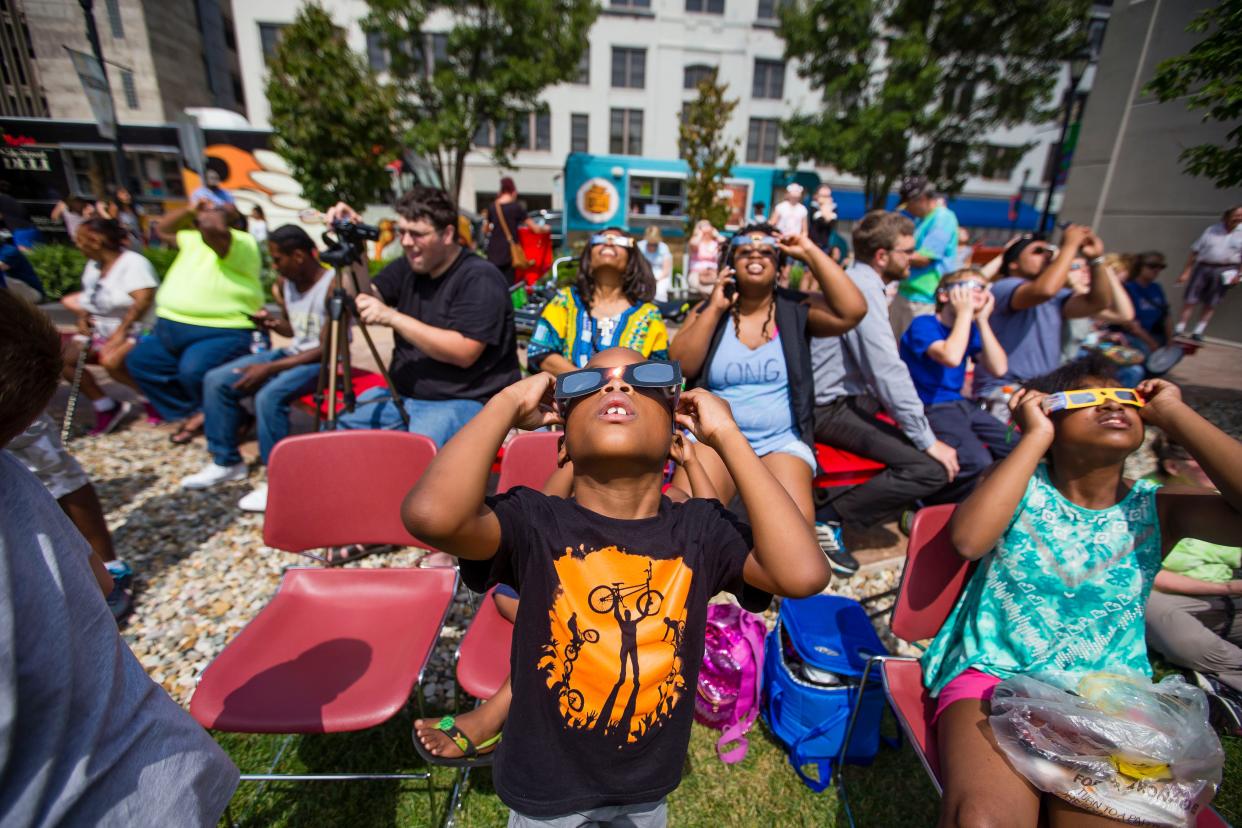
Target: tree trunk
(459,164)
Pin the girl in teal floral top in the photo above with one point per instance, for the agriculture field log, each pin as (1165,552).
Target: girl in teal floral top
(1067,552)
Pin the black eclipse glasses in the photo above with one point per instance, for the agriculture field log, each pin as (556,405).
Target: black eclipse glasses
(651,376)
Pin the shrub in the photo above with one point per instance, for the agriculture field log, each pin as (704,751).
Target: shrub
(59,267)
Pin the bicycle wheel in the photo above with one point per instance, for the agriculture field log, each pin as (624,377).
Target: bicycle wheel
(575,700)
(602,599)
(571,652)
(649,602)
(590,636)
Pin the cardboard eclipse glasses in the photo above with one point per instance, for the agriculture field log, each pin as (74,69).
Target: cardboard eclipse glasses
(652,375)
(1088,397)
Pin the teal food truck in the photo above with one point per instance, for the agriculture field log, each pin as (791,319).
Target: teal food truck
(635,193)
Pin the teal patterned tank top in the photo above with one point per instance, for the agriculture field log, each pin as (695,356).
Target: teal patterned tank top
(1061,595)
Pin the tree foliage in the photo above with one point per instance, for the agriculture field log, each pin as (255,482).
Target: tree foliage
(916,85)
(702,144)
(332,120)
(494,60)
(1209,77)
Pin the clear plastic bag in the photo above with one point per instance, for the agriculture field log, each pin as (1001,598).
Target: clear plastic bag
(1119,746)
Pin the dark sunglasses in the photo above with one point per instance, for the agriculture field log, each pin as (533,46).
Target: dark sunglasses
(653,375)
(1155,265)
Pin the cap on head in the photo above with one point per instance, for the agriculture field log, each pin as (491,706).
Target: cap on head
(913,187)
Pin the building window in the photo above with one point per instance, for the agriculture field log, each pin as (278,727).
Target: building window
(584,67)
(629,68)
(579,132)
(377,55)
(695,74)
(484,136)
(769,79)
(762,140)
(946,160)
(653,195)
(998,162)
(115,23)
(269,36)
(625,132)
(770,9)
(433,54)
(705,6)
(630,4)
(958,97)
(131,91)
(534,132)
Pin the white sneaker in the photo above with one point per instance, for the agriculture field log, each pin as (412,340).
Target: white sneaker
(256,501)
(213,474)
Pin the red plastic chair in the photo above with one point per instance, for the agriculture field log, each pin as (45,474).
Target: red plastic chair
(931,584)
(336,650)
(841,468)
(528,460)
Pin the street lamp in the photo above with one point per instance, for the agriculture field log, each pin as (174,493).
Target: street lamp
(1078,64)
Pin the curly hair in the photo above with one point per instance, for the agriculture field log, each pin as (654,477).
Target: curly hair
(1075,375)
(638,283)
(726,260)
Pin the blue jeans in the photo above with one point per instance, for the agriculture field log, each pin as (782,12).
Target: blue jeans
(222,404)
(170,362)
(438,419)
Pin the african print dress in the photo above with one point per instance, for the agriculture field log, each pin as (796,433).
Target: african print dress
(567,328)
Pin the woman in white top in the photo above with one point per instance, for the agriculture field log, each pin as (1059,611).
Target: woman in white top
(657,254)
(113,309)
(256,225)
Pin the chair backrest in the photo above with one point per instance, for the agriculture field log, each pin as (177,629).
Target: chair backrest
(342,487)
(483,655)
(530,459)
(933,579)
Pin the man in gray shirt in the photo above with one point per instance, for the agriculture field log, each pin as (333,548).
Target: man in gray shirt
(86,738)
(860,372)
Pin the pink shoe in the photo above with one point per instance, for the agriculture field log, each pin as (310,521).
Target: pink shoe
(107,422)
(153,416)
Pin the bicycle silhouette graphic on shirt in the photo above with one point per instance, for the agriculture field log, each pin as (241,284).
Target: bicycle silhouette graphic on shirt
(574,698)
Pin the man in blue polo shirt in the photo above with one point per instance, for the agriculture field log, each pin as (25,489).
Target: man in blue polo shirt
(935,251)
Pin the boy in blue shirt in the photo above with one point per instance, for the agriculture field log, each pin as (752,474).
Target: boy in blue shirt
(935,349)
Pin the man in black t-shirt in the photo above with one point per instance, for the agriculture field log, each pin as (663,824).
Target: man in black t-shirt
(603,697)
(454,344)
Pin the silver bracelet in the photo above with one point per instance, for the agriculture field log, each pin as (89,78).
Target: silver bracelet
(1096,262)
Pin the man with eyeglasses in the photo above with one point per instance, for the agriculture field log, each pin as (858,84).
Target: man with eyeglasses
(859,373)
(1032,303)
(454,344)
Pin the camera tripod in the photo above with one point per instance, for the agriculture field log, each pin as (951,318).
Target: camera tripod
(335,362)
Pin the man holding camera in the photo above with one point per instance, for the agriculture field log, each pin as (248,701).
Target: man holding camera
(454,344)
(274,378)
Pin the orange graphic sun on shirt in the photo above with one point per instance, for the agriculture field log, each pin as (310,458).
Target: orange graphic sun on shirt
(614,654)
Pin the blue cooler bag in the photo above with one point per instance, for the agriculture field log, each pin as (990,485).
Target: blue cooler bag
(812,665)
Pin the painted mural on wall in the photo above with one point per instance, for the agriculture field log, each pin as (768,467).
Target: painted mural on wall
(256,177)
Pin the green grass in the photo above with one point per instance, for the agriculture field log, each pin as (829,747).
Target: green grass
(761,790)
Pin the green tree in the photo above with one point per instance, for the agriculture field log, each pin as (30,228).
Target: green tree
(482,75)
(702,144)
(332,120)
(916,85)
(1208,77)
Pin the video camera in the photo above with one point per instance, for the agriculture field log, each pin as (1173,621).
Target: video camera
(348,244)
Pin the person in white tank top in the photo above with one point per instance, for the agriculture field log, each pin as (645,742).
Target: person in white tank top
(273,377)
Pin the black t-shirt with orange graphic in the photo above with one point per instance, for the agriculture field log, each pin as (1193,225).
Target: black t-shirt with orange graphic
(607,644)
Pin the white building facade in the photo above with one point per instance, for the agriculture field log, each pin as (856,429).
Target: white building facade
(644,60)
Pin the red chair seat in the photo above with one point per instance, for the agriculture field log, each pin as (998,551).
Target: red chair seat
(914,706)
(322,656)
(841,468)
(362,381)
(483,656)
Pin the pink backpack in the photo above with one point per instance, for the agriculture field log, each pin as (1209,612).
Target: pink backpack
(728,696)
